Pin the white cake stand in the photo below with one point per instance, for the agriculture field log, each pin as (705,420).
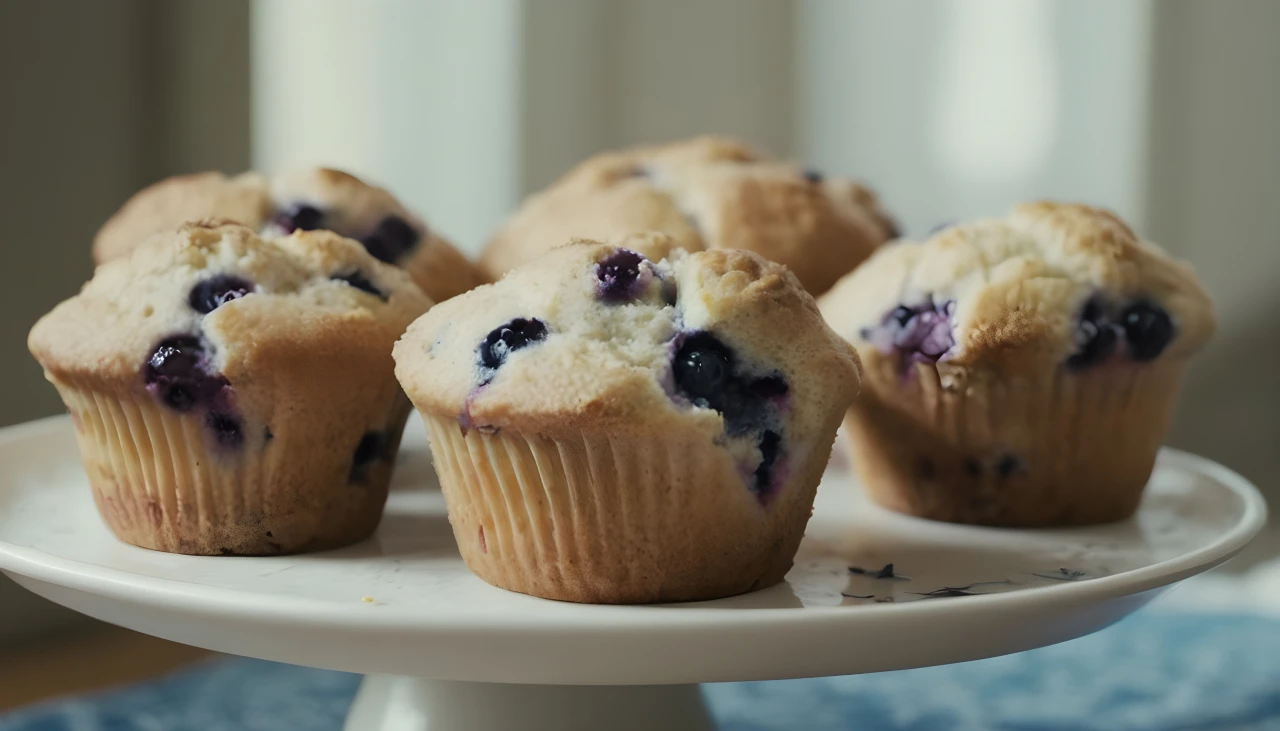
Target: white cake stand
(446,652)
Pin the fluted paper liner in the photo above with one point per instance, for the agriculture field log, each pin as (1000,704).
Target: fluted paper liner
(604,519)
(1043,449)
(162,482)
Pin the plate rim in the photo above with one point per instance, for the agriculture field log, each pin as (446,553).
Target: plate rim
(191,597)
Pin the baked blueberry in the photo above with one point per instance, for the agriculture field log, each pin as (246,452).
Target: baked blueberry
(1148,328)
(1095,336)
(921,334)
(362,283)
(514,335)
(300,217)
(1008,465)
(216,291)
(176,371)
(705,373)
(618,276)
(392,239)
(702,368)
(770,443)
(226,429)
(367,451)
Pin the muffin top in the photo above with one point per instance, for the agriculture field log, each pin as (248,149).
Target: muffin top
(706,193)
(306,199)
(213,301)
(167,204)
(1049,284)
(720,345)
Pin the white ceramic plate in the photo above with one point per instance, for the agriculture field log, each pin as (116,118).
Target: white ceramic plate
(430,618)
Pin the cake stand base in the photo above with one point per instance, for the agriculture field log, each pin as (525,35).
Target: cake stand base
(394,703)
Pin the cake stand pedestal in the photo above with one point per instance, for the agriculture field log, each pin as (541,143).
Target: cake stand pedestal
(443,651)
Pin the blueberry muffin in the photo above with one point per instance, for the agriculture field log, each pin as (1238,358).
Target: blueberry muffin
(1020,371)
(610,428)
(705,193)
(232,394)
(165,205)
(309,199)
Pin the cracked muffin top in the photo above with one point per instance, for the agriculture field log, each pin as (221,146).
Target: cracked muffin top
(306,199)
(705,193)
(1050,284)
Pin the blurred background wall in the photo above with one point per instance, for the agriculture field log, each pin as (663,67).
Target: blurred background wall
(1167,112)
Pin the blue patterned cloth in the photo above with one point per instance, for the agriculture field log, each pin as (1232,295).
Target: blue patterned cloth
(1157,670)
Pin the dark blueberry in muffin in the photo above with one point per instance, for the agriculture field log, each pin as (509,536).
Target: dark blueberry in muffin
(618,275)
(392,239)
(707,373)
(770,442)
(226,429)
(1095,337)
(176,371)
(1008,465)
(514,335)
(367,451)
(300,217)
(702,368)
(362,283)
(770,387)
(216,291)
(1148,329)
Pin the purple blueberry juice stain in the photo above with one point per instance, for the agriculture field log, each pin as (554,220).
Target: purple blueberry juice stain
(622,276)
(917,334)
(216,291)
(226,429)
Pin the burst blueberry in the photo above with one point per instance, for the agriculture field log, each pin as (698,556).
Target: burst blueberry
(176,371)
(619,275)
(502,341)
(920,334)
(300,217)
(392,239)
(1148,329)
(216,291)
